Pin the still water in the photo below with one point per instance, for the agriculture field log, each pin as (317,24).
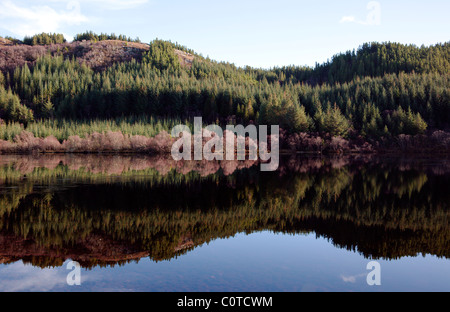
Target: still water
(151,224)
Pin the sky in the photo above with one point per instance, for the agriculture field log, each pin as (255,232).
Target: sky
(261,33)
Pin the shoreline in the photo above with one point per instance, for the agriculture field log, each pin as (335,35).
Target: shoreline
(282,153)
(25,143)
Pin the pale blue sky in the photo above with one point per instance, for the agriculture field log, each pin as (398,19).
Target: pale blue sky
(246,32)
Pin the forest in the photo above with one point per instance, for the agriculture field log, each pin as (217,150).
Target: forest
(377,93)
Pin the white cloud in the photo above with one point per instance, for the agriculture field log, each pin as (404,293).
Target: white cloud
(25,21)
(352,278)
(19,277)
(373,17)
(119,4)
(352,19)
(109,4)
(348,19)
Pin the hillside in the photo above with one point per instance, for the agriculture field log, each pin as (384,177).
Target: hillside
(374,60)
(97,55)
(377,93)
(5,42)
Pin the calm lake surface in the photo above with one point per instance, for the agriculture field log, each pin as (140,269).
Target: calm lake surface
(138,223)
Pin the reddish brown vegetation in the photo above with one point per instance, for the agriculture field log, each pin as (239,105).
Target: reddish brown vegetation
(436,142)
(107,142)
(315,143)
(186,59)
(97,55)
(5,42)
(88,251)
(116,142)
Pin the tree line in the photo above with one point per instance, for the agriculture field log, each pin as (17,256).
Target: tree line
(91,36)
(44,39)
(54,38)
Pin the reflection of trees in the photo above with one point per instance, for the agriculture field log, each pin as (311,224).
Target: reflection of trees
(99,219)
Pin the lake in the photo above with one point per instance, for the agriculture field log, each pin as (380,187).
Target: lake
(142,223)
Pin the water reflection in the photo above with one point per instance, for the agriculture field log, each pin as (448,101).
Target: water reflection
(112,210)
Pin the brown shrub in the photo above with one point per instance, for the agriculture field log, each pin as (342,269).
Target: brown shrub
(139,143)
(73,144)
(51,144)
(25,141)
(441,139)
(114,141)
(6,146)
(162,143)
(338,145)
(304,142)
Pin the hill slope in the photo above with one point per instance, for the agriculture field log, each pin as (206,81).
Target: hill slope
(379,91)
(97,55)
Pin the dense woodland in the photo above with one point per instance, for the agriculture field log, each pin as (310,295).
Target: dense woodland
(379,91)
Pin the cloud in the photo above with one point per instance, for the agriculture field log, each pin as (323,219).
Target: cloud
(19,277)
(352,278)
(348,19)
(373,17)
(26,21)
(119,4)
(109,4)
(352,19)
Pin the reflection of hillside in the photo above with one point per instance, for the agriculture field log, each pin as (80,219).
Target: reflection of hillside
(382,209)
(90,251)
(113,165)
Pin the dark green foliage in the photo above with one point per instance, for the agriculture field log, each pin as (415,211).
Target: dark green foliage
(44,39)
(162,56)
(11,109)
(406,122)
(331,121)
(75,91)
(285,113)
(372,124)
(374,60)
(89,35)
(375,107)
